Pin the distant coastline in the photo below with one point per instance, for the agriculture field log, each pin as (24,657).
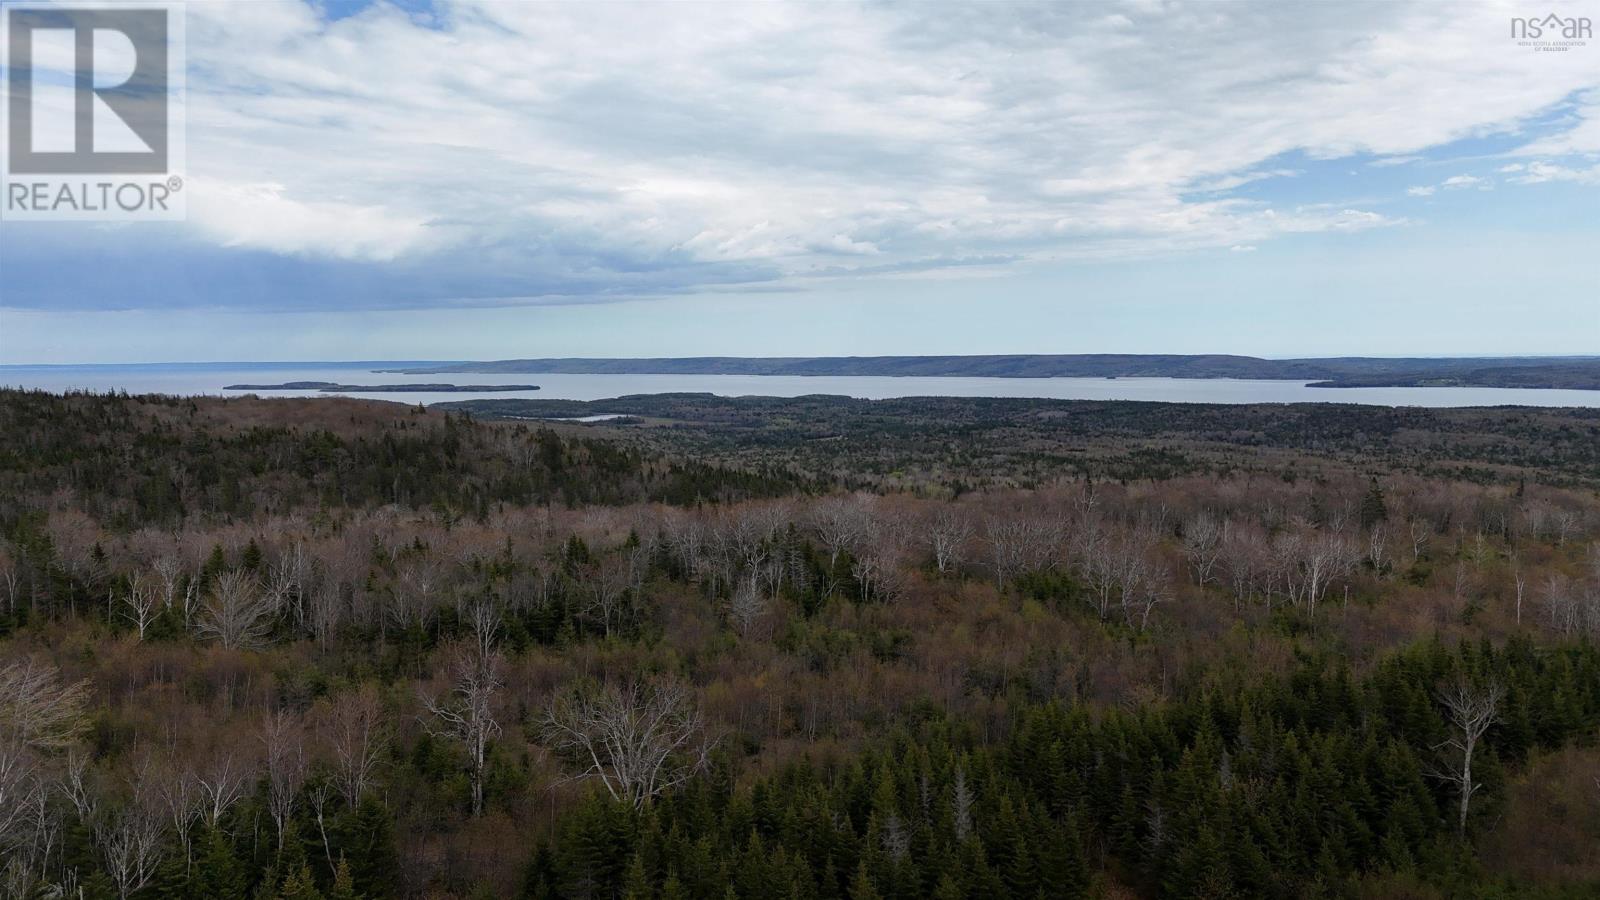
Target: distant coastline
(325,386)
(1572,372)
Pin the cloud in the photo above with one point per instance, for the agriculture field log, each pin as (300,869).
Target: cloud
(494,152)
(1542,172)
(1421,190)
(261,216)
(1389,161)
(1580,134)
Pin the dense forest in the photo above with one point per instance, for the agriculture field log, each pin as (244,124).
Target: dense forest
(793,649)
(920,443)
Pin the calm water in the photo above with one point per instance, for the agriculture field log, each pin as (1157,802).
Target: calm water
(209,378)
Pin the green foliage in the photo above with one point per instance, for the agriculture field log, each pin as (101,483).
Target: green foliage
(1245,787)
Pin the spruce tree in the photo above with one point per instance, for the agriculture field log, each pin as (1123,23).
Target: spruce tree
(1373,509)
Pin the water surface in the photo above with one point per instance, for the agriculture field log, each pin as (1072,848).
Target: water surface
(208,378)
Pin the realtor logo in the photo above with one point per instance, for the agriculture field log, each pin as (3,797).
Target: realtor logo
(93,112)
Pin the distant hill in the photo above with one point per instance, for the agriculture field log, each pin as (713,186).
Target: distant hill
(1536,372)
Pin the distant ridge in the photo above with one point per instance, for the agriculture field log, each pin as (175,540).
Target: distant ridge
(1576,372)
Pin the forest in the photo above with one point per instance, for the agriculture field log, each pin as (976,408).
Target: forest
(809,648)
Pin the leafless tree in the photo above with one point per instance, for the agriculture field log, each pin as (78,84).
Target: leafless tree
(1521,582)
(221,785)
(1378,547)
(840,522)
(284,741)
(10,578)
(1566,525)
(878,571)
(238,614)
(1472,710)
(417,589)
(37,710)
(639,740)
(1018,544)
(1561,605)
(1202,546)
(24,811)
(131,839)
(139,603)
(1311,562)
(1420,531)
(747,607)
(183,800)
(79,785)
(1246,557)
(317,799)
(354,729)
(482,618)
(168,572)
(289,582)
(608,594)
(948,536)
(1136,576)
(466,713)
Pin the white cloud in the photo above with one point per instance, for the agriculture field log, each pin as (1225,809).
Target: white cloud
(1580,136)
(261,216)
(1421,190)
(672,146)
(1541,172)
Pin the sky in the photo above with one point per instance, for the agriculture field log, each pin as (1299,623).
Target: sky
(480,179)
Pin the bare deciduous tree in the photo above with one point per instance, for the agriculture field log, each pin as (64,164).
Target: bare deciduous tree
(24,809)
(747,607)
(1202,546)
(1420,532)
(416,593)
(466,713)
(139,603)
(639,740)
(131,839)
(840,522)
(1017,545)
(283,739)
(37,710)
(1472,710)
(353,726)
(182,799)
(948,536)
(1311,562)
(608,594)
(237,614)
(221,785)
(1521,582)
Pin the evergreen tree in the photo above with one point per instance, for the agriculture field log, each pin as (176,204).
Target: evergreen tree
(299,886)
(365,840)
(217,873)
(344,885)
(1373,509)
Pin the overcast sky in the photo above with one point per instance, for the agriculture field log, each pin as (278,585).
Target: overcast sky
(464,179)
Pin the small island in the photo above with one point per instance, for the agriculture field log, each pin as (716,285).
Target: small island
(326,386)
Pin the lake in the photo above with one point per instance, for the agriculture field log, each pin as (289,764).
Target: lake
(209,378)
